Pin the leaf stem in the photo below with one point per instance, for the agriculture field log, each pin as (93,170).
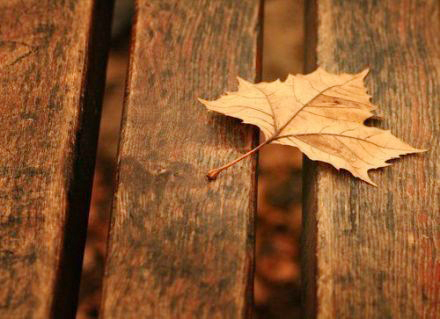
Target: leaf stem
(212,174)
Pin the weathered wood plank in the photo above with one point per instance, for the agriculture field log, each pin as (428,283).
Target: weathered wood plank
(377,249)
(180,246)
(51,78)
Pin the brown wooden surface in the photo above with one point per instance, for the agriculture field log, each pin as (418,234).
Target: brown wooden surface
(180,246)
(377,249)
(51,79)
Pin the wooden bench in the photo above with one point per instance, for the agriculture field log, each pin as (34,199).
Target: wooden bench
(181,247)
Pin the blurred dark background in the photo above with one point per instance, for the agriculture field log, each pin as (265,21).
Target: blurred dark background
(277,276)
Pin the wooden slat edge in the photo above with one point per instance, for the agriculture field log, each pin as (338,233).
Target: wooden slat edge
(75,229)
(309,193)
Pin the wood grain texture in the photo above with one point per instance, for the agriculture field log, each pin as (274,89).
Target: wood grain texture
(377,250)
(180,246)
(52,66)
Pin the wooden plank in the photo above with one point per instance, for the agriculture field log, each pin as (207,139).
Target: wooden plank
(51,80)
(375,252)
(180,246)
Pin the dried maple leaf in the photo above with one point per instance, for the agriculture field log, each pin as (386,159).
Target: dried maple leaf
(320,113)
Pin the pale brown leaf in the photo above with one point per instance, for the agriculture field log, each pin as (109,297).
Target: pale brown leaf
(320,113)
